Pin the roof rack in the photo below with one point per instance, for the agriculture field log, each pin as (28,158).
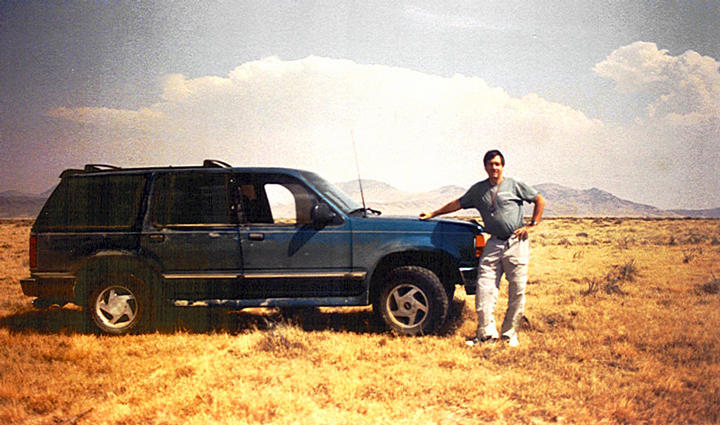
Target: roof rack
(99,167)
(95,168)
(70,172)
(214,163)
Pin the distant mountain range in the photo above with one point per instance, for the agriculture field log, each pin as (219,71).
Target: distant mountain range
(21,205)
(562,202)
(708,213)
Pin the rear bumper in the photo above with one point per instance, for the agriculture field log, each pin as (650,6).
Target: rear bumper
(56,286)
(469,276)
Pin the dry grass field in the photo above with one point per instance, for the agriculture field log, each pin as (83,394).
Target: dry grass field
(623,326)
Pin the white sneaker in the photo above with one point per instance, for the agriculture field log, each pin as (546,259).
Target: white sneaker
(512,341)
(477,341)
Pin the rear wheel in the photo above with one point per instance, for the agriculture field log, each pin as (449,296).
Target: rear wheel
(450,290)
(119,304)
(413,301)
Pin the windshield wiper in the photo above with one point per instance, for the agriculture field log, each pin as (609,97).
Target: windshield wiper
(364,210)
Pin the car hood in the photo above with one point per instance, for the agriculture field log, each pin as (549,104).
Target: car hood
(414,224)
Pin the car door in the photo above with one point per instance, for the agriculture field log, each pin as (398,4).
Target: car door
(285,254)
(193,234)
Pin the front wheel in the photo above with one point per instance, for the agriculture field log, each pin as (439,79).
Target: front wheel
(413,301)
(119,304)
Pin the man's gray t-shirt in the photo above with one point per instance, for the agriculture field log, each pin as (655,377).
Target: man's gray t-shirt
(500,206)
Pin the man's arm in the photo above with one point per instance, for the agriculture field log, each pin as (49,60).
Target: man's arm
(539,207)
(446,209)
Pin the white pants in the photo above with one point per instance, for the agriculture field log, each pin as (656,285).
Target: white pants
(510,257)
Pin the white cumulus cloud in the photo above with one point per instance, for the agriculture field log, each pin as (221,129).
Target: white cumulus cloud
(685,86)
(675,145)
(419,131)
(410,128)
(142,119)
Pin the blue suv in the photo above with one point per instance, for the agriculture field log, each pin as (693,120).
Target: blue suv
(128,244)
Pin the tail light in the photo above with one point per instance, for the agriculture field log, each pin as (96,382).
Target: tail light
(33,251)
(479,245)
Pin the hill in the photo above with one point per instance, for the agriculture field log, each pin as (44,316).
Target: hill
(562,202)
(566,202)
(708,213)
(392,201)
(21,205)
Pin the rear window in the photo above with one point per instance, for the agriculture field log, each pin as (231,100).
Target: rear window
(93,203)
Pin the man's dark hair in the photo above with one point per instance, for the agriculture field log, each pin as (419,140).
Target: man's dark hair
(492,154)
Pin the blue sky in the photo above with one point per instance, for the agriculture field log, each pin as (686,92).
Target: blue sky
(619,95)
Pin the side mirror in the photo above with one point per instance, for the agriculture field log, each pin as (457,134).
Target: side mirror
(321,214)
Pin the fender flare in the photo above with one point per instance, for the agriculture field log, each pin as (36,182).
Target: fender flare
(439,262)
(114,261)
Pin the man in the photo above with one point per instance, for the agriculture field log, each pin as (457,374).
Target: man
(499,201)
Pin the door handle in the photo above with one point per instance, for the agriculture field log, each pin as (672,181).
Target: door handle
(157,238)
(256,236)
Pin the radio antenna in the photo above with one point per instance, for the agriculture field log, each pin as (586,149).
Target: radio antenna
(357,167)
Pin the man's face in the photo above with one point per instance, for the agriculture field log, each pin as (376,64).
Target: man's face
(494,168)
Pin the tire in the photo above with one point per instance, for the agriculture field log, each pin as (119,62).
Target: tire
(119,304)
(450,291)
(413,301)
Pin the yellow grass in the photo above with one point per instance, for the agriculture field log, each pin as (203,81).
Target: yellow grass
(623,327)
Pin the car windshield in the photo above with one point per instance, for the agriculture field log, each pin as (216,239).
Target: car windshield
(337,196)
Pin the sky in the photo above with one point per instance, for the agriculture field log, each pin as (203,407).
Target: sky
(623,96)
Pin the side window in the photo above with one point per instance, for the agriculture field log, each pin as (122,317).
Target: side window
(282,203)
(192,199)
(254,206)
(276,200)
(93,203)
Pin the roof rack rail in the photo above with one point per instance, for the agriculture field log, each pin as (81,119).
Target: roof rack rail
(70,172)
(99,167)
(214,163)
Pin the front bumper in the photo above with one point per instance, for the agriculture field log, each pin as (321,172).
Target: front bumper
(469,276)
(56,286)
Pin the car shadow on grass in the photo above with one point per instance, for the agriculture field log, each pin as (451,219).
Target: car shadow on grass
(71,319)
(252,319)
(360,320)
(52,320)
